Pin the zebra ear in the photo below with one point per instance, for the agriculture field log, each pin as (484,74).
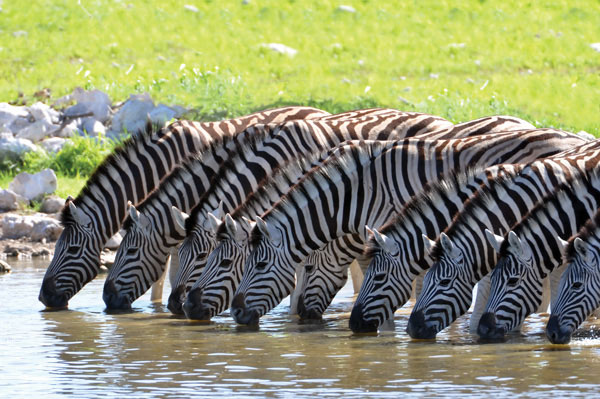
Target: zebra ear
(267,231)
(448,245)
(384,242)
(495,240)
(179,217)
(79,216)
(69,199)
(230,226)
(581,247)
(219,213)
(516,244)
(133,213)
(212,222)
(562,244)
(428,243)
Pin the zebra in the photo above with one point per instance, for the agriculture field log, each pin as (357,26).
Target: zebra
(199,239)
(145,249)
(131,172)
(463,256)
(579,290)
(388,278)
(326,270)
(362,186)
(531,250)
(395,251)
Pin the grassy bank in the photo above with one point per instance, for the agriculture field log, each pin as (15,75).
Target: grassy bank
(458,60)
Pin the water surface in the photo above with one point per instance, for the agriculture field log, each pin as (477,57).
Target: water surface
(86,352)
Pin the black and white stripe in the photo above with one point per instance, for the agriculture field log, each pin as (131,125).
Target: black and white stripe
(579,291)
(145,250)
(531,250)
(463,255)
(130,174)
(363,185)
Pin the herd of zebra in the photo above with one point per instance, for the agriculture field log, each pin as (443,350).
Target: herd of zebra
(292,199)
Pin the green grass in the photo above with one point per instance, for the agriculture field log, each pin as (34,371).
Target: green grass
(534,56)
(460,60)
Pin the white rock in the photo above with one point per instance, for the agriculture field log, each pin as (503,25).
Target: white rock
(12,149)
(346,9)
(69,130)
(586,135)
(163,113)
(52,204)
(35,186)
(38,130)
(19,124)
(46,228)
(40,111)
(8,113)
(191,8)
(4,267)
(95,101)
(281,49)
(595,46)
(53,144)
(92,127)
(114,242)
(16,226)
(9,200)
(132,116)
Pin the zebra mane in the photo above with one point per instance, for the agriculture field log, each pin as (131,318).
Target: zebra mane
(347,156)
(428,198)
(589,229)
(244,149)
(121,152)
(472,210)
(281,179)
(559,195)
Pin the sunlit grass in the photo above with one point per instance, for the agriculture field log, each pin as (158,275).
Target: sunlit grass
(535,57)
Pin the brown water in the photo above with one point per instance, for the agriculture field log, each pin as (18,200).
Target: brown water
(85,352)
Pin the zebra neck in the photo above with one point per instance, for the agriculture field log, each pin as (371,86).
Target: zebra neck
(561,214)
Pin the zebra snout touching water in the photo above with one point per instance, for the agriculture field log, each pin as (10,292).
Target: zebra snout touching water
(464,256)
(365,186)
(532,250)
(579,290)
(130,173)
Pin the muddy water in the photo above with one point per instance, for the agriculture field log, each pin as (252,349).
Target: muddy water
(85,352)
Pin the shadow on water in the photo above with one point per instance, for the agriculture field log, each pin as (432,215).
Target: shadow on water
(87,352)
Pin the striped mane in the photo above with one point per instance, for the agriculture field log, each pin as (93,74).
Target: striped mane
(245,149)
(120,153)
(561,194)
(347,157)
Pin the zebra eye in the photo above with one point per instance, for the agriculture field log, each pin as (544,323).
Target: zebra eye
(379,277)
(309,269)
(131,251)
(576,285)
(225,263)
(201,255)
(73,249)
(445,282)
(260,266)
(513,281)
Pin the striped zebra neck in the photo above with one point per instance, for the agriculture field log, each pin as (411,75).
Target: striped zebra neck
(589,232)
(559,215)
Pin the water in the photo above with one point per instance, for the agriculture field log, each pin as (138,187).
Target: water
(85,352)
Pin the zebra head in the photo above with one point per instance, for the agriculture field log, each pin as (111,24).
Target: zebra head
(384,287)
(516,287)
(579,290)
(446,293)
(268,275)
(211,294)
(76,258)
(200,241)
(325,273)
(140,261)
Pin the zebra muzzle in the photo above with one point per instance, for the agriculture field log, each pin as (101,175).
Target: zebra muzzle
(488,327)
(176,300)
(556,333)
